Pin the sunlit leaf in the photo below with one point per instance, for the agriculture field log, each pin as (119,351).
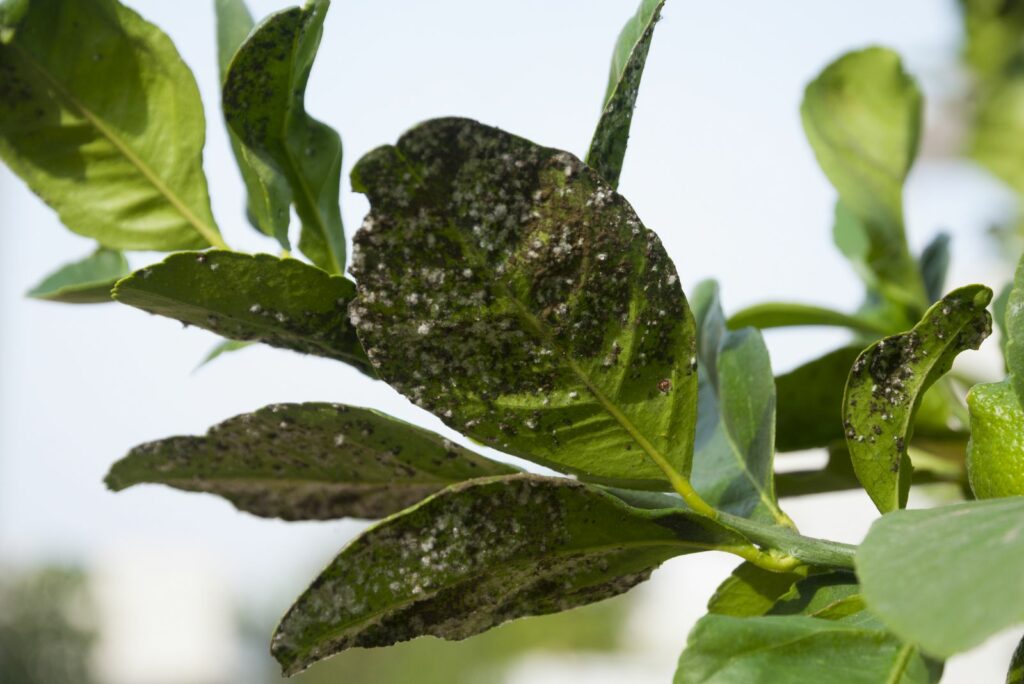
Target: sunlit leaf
(889,379)
(995,454)
(506,288)
(307,462)
(102,119)
(781,315)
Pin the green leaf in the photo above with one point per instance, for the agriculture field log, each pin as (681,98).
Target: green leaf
(735,444)
(481,553)
(506,288)
(795,649)
(998,130)
(862,116)
(1015,332)
(88,281)
(946,578)
(810,401)
(751,591)
(782,315)
(995,453)
(263,96)
(934,265)
(889,379)
(1015,675)
(281,302)
(102,119)
(268,193)
(999,305)
(833,595)
(307,462)
(608,146)
(222,347)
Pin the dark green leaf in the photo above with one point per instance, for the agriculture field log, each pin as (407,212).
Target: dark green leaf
(88,281)
(889,379)
(263,103)
(1015,675)
(280,302)
(995,454)
(1015,332)
(102,119)
(999,305)
(735,444)
(506,288)
(223,347)
(608,147)
(862,116)
(946,578)
(781,315)
(797,649)
(810,410)
(750,591)
(268,193)
(307,462)
(478,554)
(934,264)
(833,595)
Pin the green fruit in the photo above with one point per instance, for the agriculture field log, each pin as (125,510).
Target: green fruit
(995,454)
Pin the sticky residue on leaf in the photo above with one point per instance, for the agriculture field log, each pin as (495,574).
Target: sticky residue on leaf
(509,290)
(889,379)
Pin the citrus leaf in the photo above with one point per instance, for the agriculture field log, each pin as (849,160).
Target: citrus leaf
(281,302)
(934,265)
(1015,675)
(608,146)
(480,553)
(795,649)
(506,288)
(832,595)
(999,305)
(751,591)
(997,130)
(90,96)
(268,198)
(735,444)
(88,281)
(263,96)
(995,452)
(782,315)
(1015,332)
(971,554)
(889,379)
(862,116)
(810,401)
(307,462)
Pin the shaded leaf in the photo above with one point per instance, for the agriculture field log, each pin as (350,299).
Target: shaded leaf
(268,198)
(507,289)
(833,595)
(223,347)
(810,401)
(735,444)
(862,116)
(934,265)
(995,453)
(88,281)
(608,147)
(280,302)
(307,462)
(781,315)
(889,379)
(1015,332)
(263,96)
(795,649)
(999,305)
(751,591)
(1015,675)
(478,554)
(90,95)
(971,554)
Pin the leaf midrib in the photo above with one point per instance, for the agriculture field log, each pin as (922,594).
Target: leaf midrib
(205,231)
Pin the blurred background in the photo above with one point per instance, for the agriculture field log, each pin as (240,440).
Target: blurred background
(154,586)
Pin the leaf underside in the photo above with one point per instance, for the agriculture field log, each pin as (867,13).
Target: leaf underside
(307,462)
(281,302)
(507,289)
(478,554)
(88,281)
